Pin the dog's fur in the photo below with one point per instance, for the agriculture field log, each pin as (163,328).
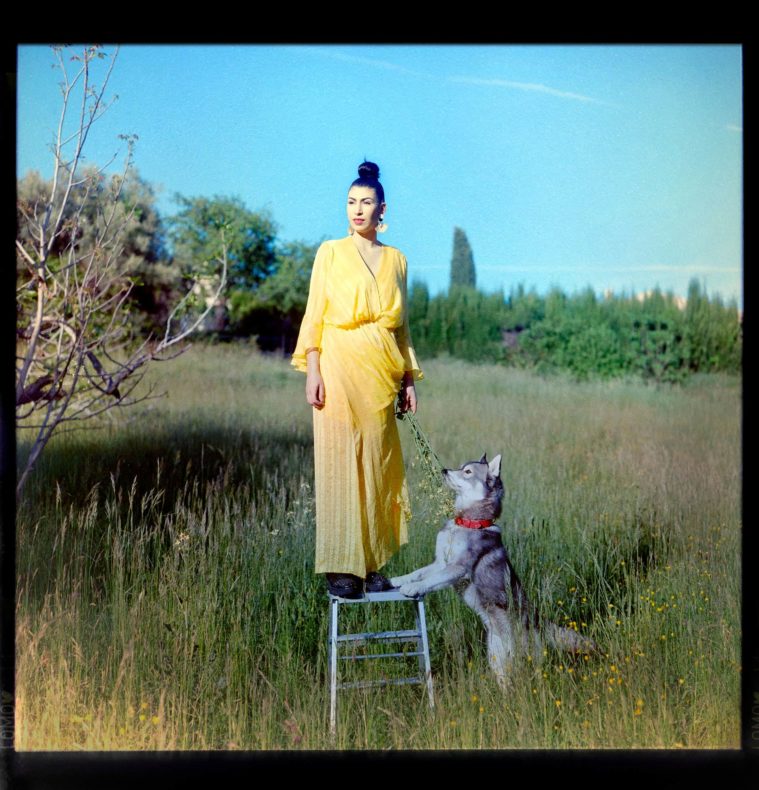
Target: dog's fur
(475,562)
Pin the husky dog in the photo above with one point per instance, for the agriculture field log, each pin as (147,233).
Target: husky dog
(470,556)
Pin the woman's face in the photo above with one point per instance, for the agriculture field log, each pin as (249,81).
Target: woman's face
(364,210)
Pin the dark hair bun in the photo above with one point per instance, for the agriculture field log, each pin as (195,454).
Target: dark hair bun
(368,170)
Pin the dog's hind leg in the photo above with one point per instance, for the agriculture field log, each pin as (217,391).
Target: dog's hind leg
(500,644)
(499,630)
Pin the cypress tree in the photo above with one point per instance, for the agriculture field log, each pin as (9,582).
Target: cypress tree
(462,261)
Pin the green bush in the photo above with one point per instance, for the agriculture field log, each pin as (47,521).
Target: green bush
(650,336)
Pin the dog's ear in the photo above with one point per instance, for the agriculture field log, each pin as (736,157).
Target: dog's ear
(484,458)
(494,467)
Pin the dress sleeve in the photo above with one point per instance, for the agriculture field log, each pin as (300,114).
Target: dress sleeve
(310,335)
(403,335)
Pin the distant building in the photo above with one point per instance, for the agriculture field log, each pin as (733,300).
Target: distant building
(679,301)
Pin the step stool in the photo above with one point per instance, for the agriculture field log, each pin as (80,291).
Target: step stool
(335,639)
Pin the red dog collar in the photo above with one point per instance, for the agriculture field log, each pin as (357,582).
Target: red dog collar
(470,524)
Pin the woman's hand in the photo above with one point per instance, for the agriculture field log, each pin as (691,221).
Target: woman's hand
(315,390)
(314,381)
(408,400)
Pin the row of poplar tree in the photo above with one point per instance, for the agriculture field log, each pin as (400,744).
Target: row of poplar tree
(653,335)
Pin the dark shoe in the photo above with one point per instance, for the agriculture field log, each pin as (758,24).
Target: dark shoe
(376,582)
(345,585)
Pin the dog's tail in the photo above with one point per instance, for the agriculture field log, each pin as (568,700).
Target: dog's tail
(569,640)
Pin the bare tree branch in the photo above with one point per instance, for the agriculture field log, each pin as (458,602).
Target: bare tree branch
(76,357)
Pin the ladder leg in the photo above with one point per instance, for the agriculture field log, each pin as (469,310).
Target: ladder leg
(424,660)
(419,637)
(332,654)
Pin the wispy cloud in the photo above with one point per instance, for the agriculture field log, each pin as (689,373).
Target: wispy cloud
(692,270)
(533,87)
(665,268)
(732,127)
(348,58)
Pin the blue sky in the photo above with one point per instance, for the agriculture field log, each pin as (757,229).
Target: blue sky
(615,167)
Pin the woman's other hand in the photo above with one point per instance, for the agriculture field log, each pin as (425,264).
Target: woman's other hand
(408,400)
(314,380)
(315,390)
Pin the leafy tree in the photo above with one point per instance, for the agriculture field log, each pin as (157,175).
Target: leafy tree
(141,255)
(462,261)
(437,329)
(523,309)
(712,332)
(593,350)
(418,309)
(195,233)
(657,350)
(287,287)
(474,324)
(274,310)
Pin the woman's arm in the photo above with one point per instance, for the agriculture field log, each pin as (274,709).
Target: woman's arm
(403,337)
(310,334)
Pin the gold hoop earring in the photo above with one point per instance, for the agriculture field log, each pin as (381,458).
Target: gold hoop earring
(381,226)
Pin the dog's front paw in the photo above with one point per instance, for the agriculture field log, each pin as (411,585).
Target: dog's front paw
(412,590)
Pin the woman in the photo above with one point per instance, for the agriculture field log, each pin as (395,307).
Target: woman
(355,349)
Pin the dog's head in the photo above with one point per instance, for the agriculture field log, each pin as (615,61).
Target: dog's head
(478,486)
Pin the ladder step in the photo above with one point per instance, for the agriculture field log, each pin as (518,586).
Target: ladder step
(381,655)
(401,636)
(362,684)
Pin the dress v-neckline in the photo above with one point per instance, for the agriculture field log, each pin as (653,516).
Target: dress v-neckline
(380,263)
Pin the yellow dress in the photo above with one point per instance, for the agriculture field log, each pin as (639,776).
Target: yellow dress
(359,323)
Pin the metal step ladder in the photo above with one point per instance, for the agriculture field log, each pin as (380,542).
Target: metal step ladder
(336,640)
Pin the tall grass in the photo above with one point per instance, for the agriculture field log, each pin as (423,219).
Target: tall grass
(166,595)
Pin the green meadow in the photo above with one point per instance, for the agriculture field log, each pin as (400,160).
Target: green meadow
(166,598)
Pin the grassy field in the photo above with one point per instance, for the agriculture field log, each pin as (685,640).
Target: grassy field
(167,600)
